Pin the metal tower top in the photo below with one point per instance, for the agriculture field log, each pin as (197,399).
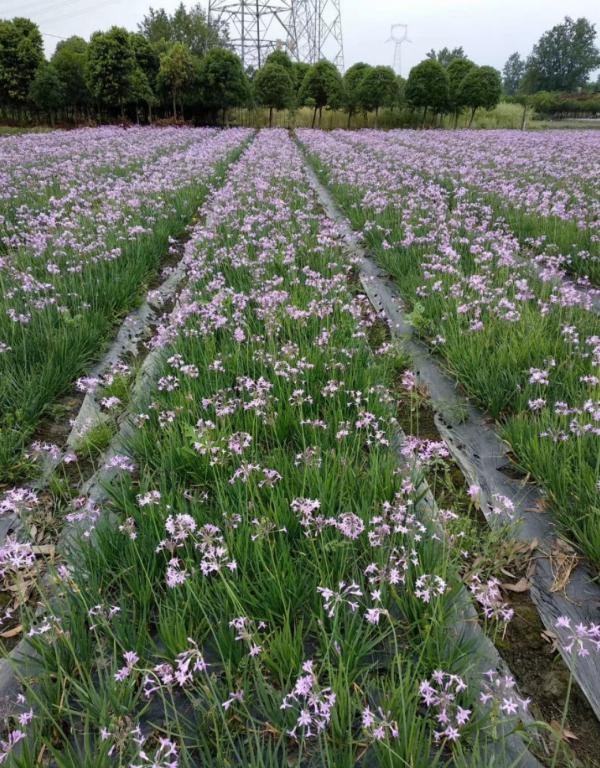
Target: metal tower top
(309,30)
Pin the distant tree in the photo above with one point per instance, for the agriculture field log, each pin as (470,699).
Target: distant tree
(190,27)
(563,57)
(512,74)
(70,62)
(457,71)
(322,86)
(377,89)
(482,87)
(141,92)
(299,70)
(351,88)
(176,73)
(445,56)
(21,53)
(428,87)
(223,83)
(281,58)
(274,87)
(47,90)
(111,64)
(146,56)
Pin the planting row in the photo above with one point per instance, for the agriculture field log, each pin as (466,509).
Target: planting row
(546,185)
(526,350)
(84,230)
(261,590)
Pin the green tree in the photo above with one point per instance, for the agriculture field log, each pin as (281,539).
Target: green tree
(21,53)
(457,71)
(378,89)
(274,88)
(222,81)
(190,27)
(512,74)
(281,58)
(563,57)
(47,90)
(445,56)
(70,62)
(482,87)
(146,57)
(111,64)
(428,87)
(351,83)
(299,70)
(322,86)
(176,73)
(141,92)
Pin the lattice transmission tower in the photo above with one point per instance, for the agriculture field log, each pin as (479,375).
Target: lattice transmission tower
(308,30)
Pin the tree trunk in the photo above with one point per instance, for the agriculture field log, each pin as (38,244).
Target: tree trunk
(223,116)
(270,117)
(376,117)
(455,119)
(472,116)
(314,118)
(349,118)
(424,116)
(174,106)
(320,115)
(149,113)
(524,117)
(181,110)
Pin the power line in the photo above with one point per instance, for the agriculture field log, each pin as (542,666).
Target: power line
(51,19)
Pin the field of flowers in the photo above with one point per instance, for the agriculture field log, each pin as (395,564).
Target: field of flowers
(86,217)
(546,185)
(526,349)
(276,574)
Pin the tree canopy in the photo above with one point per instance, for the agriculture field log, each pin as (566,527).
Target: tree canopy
(563,57)
(274,87)
(190,27)
(111,63)
(21,53)
(428,86)
(445,56)
(482,87)
(322,86)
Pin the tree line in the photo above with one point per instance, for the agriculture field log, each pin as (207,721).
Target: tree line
(180,66)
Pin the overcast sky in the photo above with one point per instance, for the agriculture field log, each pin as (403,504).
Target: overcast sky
(489,30)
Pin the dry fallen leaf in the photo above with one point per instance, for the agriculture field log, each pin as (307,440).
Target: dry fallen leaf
(563,560)
(12,632)
(565,734)
(520,586)
(540,506)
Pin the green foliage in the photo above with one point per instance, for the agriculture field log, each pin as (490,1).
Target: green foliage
(47,90)
(70,61)
(563,57)
(282,59)
(274,87)
(457,71)
(378,88)
(176,72)
(189,27)
(222,81)
(512,74)
(146,57)
(299,70)
(21,53)
(482,87)
(111,63)
(445,56)
(428,86)
(322,86)
(351,82)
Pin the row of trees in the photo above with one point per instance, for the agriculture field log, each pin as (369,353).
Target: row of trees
(180,64)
